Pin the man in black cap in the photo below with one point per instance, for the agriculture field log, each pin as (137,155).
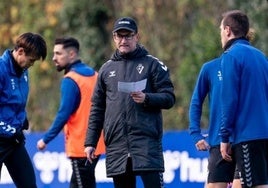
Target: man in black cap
(132,89)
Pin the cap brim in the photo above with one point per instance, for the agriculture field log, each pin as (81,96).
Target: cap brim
(125,28)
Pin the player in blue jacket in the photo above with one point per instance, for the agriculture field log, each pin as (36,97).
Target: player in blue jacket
(220,172)
(244,101)
(14,90)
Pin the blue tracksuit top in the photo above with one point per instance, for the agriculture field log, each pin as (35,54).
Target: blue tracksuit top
(70,99)
(207,84)
(244,93)
(14,90)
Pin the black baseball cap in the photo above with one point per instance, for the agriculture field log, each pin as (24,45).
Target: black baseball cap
(125,23)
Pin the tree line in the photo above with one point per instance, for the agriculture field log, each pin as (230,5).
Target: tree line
(182,34)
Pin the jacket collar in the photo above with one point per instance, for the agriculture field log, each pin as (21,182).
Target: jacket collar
(232,41)
(18,70)
(71,65)
(140,51)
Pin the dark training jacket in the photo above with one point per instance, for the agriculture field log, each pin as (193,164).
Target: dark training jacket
(131,129)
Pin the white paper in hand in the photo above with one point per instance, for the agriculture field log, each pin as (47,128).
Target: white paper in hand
(128,87)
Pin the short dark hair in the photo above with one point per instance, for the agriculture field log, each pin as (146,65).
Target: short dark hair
(237,21)
(68,42)
(33,44)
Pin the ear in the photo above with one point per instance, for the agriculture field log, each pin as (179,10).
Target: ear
(228,31)
(137,37)
(20,51)
(72,53)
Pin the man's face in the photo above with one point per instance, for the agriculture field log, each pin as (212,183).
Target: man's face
(125,41)
(27,61)
(23,60)
(61,57)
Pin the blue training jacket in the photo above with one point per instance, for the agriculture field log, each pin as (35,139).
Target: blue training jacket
(207,85)
(14,90)
(244,93)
